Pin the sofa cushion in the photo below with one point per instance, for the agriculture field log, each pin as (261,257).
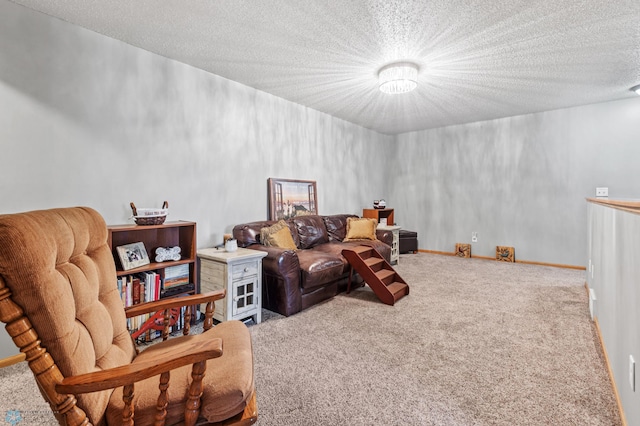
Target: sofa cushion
(361,229)
(311,231)
(334,249)
(277,235)
(336,226)
(318,268)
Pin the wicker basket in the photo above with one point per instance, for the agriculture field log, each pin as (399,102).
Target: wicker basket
(150,216)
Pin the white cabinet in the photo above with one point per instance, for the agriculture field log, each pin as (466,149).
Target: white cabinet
(395,246)
(240,273)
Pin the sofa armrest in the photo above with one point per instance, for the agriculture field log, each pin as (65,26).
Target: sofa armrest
(385,236)
(281,283)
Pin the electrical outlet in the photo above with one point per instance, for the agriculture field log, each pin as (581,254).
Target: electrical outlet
(632,373)
(474,237)
(602,192)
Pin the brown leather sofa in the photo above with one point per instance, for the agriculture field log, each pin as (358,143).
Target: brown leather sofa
(293,280)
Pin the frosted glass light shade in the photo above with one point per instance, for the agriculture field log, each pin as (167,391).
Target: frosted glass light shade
(397,78)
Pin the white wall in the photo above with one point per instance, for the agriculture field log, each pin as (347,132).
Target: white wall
(613,250)
(88,120)
(519,181)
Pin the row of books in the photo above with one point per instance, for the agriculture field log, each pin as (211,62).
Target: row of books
(139,288)
(150,286)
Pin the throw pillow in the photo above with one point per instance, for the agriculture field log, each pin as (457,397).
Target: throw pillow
(278,235)
(361,229)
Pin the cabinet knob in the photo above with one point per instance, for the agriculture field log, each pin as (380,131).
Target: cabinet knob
(246,269)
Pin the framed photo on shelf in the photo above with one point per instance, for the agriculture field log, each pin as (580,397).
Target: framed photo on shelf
(132,256)
(289,198)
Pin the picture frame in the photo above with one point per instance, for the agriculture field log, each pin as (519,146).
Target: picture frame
(132,255)
(289,198)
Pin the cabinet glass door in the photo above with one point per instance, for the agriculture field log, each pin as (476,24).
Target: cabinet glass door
(245,297)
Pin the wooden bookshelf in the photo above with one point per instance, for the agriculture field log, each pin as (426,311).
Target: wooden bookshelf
(170,234)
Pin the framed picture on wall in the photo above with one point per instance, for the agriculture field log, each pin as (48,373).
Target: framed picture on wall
(132,256)
(289,198)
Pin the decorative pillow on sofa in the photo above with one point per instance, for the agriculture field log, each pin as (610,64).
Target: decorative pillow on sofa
(361,229)
(277,235)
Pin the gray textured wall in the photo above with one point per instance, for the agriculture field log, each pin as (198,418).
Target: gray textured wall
(519,181)
(88,120)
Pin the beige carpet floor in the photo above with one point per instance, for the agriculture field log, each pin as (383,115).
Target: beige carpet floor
(476,342)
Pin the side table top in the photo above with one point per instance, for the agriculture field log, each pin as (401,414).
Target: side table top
(222,255)
(389,227)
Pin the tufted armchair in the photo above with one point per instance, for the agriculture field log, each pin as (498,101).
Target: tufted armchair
(59,299)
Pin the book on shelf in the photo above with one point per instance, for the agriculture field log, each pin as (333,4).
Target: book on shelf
(135,292)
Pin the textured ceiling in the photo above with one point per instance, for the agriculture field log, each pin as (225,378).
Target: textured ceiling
(478,60)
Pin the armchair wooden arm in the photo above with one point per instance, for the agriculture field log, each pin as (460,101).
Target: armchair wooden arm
(173,302)
(188,352)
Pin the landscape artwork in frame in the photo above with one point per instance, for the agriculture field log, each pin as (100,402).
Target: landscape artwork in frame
(133,256)
(289,198)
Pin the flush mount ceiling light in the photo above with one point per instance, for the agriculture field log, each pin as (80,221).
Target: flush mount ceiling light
(400,77)
(636,89)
